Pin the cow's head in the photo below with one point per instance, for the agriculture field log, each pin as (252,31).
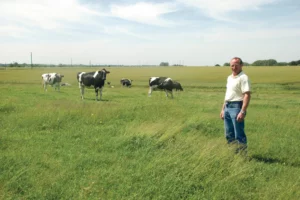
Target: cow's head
(179,88)
(104,70)
(103,73)
(58,77)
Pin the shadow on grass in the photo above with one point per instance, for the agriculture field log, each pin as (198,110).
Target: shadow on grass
(269,160)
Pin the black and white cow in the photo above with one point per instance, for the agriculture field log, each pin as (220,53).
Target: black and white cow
(89,79)
(53,79)
(161,83)
(126,82)
(177,86)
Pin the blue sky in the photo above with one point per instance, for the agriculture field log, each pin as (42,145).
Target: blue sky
(130,32)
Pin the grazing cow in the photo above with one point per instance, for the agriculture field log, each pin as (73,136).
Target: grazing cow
(177,86)
(89,79)
(52,79)
(65,84)
(109,85)
(126,82)
(162,83)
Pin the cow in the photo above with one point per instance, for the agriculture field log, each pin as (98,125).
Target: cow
(161,83)
(53,79)
(126,82)
(89,79)
(177,86)
(109,85)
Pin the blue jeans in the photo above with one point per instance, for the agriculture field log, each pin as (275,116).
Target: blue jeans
(234,130)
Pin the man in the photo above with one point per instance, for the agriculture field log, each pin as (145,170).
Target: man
(234,109)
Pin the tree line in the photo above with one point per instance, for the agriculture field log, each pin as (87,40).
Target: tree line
(269,62)
(15,64)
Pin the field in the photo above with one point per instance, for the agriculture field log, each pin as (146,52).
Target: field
(53,145)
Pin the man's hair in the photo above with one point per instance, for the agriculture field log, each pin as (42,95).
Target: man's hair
(237,58)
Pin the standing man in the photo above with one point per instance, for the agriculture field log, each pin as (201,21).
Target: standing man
(235,105)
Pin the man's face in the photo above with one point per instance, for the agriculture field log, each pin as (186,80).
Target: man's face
(236,67)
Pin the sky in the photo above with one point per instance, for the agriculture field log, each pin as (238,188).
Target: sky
(130,32)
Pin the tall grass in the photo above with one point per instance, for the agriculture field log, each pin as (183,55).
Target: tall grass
(53,145)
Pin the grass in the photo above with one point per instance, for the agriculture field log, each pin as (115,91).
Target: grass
(53,145)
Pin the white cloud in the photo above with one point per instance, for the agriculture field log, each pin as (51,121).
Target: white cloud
(261,34)
(218,9)
(142,12)
(43,13)
(13,31)
(115,30)
(235,35)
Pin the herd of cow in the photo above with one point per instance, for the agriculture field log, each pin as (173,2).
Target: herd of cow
(97,80)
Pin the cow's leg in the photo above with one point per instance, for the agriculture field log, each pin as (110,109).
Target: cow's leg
(101,93)
(82,91)
(96,92)
(58,87)
(45,87)
(171,94)
(150,91)
(169,91)
(166,91)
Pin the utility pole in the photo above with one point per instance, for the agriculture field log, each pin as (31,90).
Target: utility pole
(71,62)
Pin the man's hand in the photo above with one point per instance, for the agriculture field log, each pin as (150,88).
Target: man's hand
(222,114)
(240,117)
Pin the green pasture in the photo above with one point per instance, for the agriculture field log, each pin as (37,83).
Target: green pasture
(53,145)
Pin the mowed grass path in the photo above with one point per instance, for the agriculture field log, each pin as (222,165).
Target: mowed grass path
(53,145)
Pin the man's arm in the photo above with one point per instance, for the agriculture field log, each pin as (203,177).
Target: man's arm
(246,101)
(222,111)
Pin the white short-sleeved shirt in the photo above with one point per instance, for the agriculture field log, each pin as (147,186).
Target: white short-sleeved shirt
(237,86)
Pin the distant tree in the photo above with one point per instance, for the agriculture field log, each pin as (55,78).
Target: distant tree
(164,64)
(258,63)
(177,65)
(15,64)
(226,64)
(217,65)
(282,64)
(294,63)
(270,62)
